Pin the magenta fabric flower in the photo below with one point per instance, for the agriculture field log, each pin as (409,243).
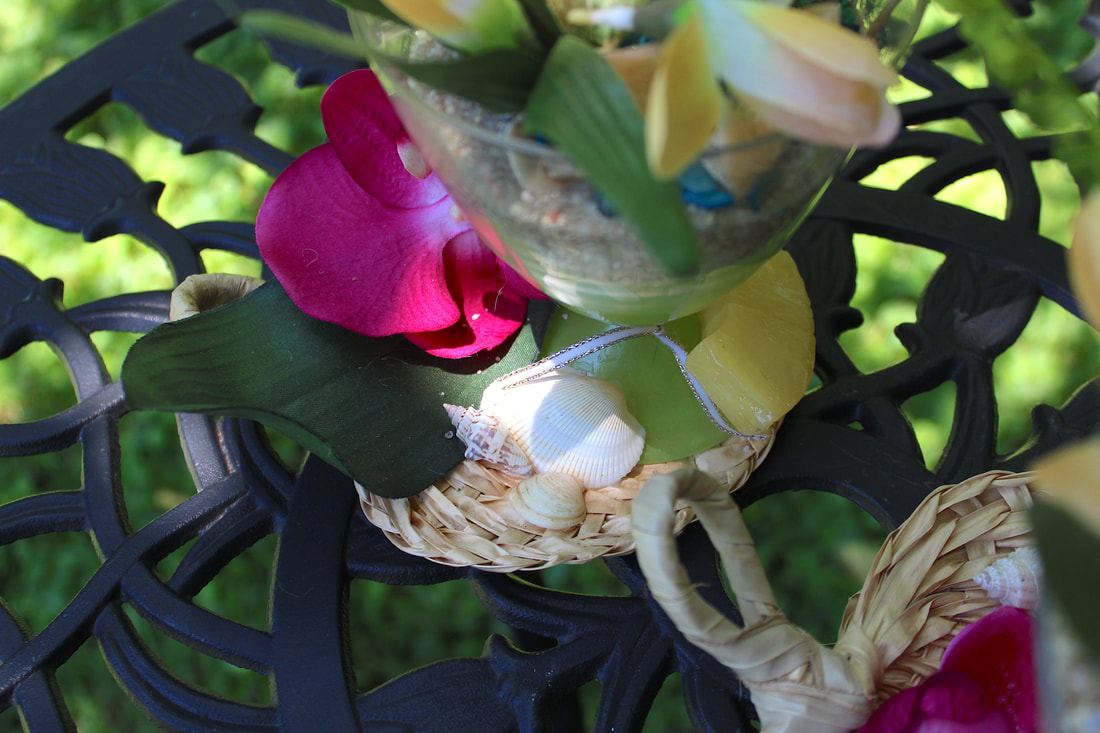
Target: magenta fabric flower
(986,684)
(360,232)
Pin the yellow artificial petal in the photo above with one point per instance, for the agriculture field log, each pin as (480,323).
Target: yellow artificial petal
(1070,477)
(1084,258)
(825,43)
(684,102)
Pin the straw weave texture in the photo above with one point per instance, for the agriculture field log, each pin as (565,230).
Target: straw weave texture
(920,591)
(466,519)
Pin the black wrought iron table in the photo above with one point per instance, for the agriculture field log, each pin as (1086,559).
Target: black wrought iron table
(849,437)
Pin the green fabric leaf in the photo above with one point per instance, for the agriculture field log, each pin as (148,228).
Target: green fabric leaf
(499,80)
(1072,577)
(656,392)
(582,106)
(276,24)
(373,407)
(542,21)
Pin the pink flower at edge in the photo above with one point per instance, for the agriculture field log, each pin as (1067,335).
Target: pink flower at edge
(986,684)
(356,239)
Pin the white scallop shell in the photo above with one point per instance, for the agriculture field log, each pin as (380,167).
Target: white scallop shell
(1014,579)
(550,500)
(488,439)
(568,422)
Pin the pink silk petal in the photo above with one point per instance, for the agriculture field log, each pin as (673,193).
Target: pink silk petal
(345,257)
(947,702)
(997,652)
(491,311)
(953,696)
(895,715)
(368,136)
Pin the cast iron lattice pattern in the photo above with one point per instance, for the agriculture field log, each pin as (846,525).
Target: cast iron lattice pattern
(972,310)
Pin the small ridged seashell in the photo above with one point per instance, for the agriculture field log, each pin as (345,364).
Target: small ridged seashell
(550,500)
(488,439)
(1014,579)
(208,290)
(566,421)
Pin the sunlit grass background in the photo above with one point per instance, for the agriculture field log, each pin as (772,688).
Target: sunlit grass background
(816,548)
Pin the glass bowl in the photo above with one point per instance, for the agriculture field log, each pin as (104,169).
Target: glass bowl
(542,216)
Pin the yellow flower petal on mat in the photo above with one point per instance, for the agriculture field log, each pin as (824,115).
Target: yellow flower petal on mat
(684,101)
(1070,477)
(756,357)
(1084,258)
(470,25)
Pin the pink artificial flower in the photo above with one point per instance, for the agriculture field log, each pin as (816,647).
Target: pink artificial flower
(360,232)
(986,684)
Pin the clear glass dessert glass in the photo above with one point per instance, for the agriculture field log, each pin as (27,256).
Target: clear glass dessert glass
(544,218)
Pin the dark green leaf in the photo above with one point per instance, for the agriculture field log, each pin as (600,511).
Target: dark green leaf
(500,80)
(542,21)
(1072,576)
(582,106)
(294,29)
(372,407)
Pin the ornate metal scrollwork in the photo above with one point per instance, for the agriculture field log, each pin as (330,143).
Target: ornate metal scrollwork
(849,437)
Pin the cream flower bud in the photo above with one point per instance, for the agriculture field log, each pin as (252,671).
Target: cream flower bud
(1084,258)
(1070,478)
(803,73)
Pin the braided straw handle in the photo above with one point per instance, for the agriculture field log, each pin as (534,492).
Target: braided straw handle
(797,684)
(919,593)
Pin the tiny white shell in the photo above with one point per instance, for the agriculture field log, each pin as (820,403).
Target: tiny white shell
(488,439)
(568,422)
(1014,579)
(550,500)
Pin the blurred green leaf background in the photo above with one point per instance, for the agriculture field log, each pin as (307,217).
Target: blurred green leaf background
(815,548)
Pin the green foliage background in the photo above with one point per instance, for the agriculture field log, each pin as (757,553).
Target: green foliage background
(815,548)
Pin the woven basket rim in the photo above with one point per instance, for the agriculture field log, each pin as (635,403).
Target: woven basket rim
(466,519)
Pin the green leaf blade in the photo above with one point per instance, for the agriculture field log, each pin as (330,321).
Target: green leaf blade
(582,106)
(371,407)
(499,80)
(310,34)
